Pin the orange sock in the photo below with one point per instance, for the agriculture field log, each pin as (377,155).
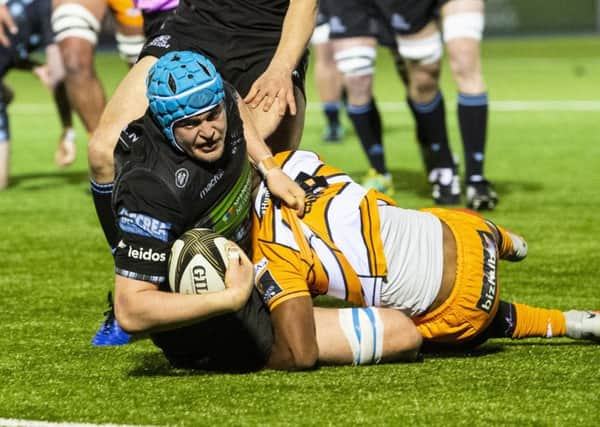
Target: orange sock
(538,322)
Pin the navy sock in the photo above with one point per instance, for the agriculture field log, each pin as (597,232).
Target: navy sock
(472,119)
(4,127)
(367,124)
(332,112)
(430,119)
(504,322)
(102,195)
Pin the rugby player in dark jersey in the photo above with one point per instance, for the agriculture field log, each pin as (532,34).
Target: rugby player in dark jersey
(185,160)
(32,20)
(258,46)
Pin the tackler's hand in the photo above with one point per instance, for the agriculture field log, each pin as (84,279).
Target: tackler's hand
(287,190)
(274,86)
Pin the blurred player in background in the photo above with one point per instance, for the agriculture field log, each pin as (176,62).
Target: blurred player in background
(417,26)
(354,29)
(76,25)
(438,266)
(32,18)
(328,79)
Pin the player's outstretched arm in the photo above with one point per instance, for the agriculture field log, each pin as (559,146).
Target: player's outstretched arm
(276,82)
(295,346)
(141,307)
(6,24)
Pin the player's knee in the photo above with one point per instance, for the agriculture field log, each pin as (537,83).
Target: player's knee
(402,342)
(71,20)
(466,69)
(463,60)
(129,46)
(424,83)
(356,61)
(424,50)
(359,89)
(78,63)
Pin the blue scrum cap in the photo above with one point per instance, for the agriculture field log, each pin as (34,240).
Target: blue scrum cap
(182,84)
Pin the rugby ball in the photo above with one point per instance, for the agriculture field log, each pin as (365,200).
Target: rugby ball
(197,262)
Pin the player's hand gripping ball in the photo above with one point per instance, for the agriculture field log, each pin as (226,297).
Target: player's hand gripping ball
(198,262)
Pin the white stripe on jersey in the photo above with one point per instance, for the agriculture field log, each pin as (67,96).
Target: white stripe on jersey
(337,288)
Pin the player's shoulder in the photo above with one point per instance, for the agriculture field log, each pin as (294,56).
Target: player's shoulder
(138,146)
(141,171)
(131,134)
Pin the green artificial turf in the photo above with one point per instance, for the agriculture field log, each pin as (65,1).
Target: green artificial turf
(55,270)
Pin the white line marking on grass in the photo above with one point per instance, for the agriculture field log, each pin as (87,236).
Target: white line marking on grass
(10,422)
(395,106)
(545,105)
(564,105)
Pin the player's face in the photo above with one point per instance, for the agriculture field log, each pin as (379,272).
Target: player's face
(203,136)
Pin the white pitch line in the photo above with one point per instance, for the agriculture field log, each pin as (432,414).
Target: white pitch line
(558,105)
(10,422)
(394,106)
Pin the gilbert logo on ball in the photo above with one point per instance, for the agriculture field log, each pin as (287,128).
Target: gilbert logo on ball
(198,262)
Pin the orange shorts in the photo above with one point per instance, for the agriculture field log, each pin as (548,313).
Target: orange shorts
(474,299)
(125,13)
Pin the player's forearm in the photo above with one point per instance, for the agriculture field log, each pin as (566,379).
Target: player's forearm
(298,26)
(295,346)
(257,148)
(148,310)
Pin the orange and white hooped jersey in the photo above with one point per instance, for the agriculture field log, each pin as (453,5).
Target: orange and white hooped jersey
(335,249)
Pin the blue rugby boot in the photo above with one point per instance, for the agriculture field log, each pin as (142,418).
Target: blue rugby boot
(110,333)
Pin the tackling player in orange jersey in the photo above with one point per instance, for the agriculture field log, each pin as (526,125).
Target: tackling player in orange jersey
(438,266)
